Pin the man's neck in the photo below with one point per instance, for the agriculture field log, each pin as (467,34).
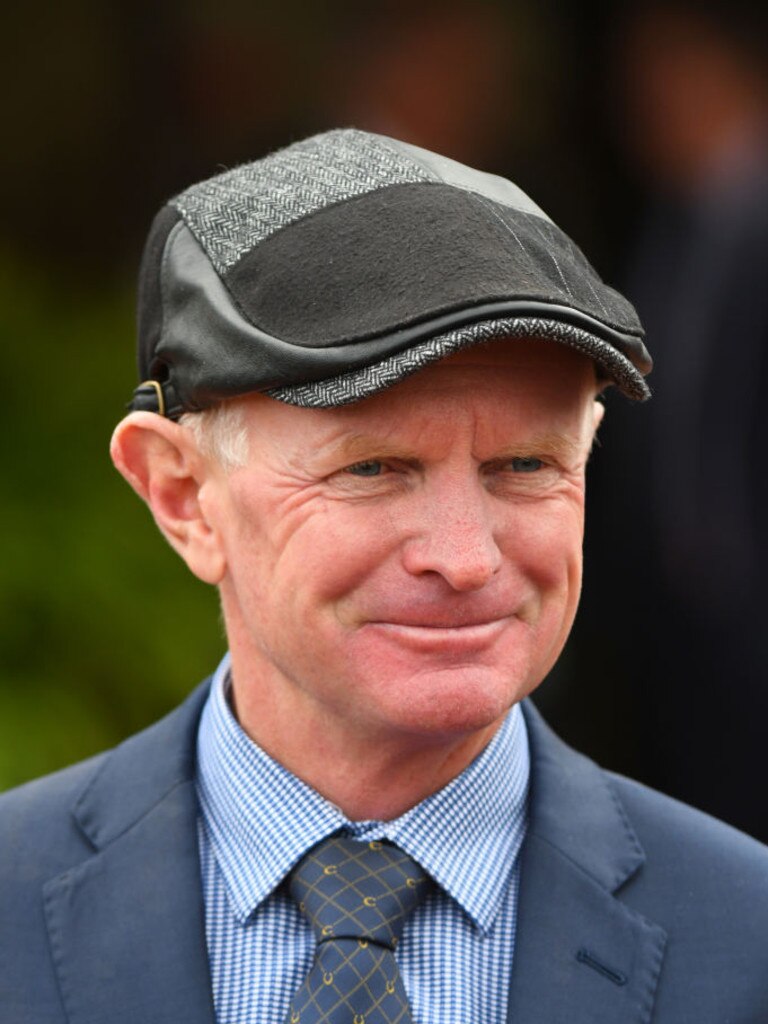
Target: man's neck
(368,776)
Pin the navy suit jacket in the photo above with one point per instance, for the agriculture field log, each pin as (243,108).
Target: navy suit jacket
(633,908)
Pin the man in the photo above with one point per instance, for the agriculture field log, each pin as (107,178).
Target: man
(370,381)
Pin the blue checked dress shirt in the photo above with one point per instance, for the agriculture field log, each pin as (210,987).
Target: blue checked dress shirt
(257,820)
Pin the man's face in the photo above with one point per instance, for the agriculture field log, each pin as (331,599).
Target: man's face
(410,564)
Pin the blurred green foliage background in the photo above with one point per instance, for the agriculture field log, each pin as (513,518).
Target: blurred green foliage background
(103,627)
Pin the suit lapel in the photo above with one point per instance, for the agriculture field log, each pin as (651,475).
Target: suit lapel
(581,954)
(126,926)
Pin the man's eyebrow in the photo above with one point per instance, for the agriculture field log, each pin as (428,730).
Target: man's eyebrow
(563,446)
(555,441)
(361,446)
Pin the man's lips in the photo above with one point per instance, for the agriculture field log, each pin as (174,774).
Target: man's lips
(442,621)
(462,637)
(443,614)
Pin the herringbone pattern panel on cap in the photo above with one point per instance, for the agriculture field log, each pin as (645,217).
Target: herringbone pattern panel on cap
(233,212)
(357,897)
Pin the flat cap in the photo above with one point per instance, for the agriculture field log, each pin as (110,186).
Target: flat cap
(339,265)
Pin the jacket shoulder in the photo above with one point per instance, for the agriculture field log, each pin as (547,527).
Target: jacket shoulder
(36,822)
(70,835)
(685,842)
(698,885)
(50,823)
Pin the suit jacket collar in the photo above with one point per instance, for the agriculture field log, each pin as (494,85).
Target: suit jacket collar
(141,773)
(127,928)
(575,809)
(581,954)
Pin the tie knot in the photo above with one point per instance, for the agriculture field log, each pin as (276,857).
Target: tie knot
(354,890)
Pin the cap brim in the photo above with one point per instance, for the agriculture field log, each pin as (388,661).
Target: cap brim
(354,385)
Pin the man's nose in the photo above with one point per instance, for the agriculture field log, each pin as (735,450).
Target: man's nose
(455,538)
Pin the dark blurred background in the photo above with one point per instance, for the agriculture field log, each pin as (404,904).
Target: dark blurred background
(640,128)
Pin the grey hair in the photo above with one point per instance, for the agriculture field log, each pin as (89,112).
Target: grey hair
(220,432)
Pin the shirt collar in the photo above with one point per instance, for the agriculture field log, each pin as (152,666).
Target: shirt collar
(261,819)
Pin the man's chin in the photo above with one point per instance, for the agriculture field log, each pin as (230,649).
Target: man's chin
(450,701)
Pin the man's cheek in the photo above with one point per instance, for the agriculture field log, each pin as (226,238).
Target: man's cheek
(550,563)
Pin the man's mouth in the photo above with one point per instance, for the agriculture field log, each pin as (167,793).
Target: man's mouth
(439,634)
(445,621)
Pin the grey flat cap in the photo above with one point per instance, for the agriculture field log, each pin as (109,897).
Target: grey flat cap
(336,267)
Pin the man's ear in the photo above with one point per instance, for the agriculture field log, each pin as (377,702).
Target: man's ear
(598,411)
(162,463)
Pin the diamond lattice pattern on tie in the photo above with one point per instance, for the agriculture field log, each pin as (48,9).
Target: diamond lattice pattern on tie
(357,897)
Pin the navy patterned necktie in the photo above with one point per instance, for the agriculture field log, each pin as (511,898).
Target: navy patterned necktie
(356,896)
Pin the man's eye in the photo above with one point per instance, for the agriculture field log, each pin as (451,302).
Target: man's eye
(371,467)
(526,464)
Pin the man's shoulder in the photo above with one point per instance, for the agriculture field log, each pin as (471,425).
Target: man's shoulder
(662,819)
(49,823)
(75,848)
(36,823)
(698,878)
(690,854)
(587,809)
(706,885)
(673,901)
